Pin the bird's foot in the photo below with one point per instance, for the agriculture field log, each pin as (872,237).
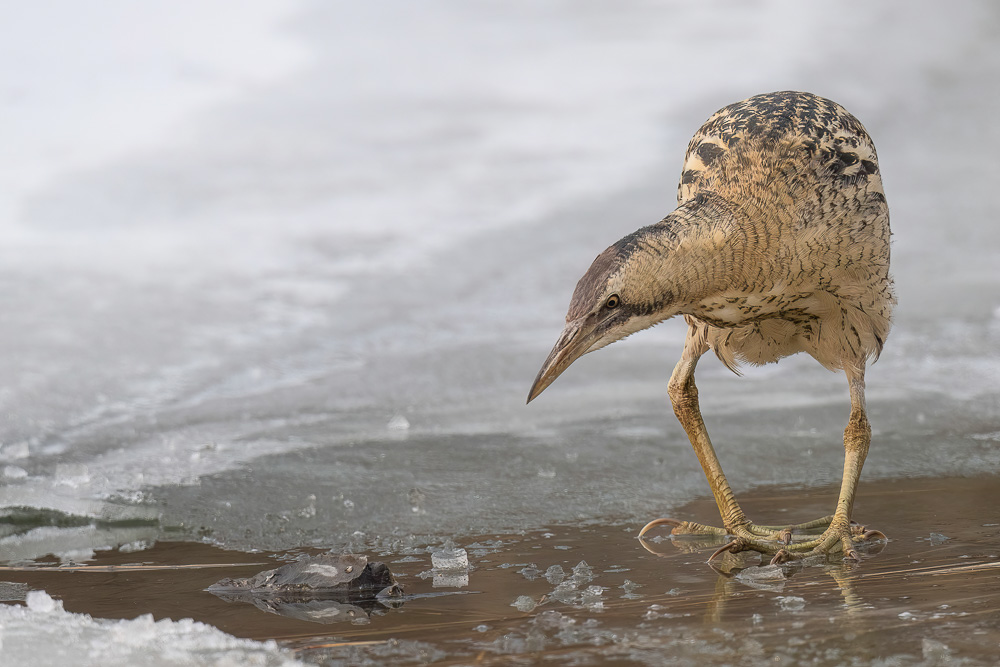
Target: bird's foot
(821,536)
(835,539)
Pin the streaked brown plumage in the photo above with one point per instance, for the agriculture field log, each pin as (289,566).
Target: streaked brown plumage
(779,244)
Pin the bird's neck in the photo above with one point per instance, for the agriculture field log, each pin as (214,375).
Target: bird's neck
(697,251)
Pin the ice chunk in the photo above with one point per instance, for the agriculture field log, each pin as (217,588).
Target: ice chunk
(42,634)
(761,573)
(583,572)
(530,572)
(524,603)
(398,423)
(592,595)
(936,652)
(42,603)
(11,591)
(18,450)
(450,559)
(791,603)
(349,574)
(14,472)
(555,574)
(324,589)
(450,579)
(763,577)
(72,474)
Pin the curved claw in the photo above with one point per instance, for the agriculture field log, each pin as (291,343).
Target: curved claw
(736,546)
(851,554)
(659,522)
(784,536)
(781,556)
(868,534)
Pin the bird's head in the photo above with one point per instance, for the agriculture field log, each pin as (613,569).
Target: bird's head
(619,295)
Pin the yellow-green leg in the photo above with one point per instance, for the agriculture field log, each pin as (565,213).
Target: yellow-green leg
(836,529)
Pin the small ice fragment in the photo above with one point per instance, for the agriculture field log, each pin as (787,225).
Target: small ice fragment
(756,619)
(935,652)
(450,579)
(937,539)
(530,572)
(132,547)
(583,572)
(674,591)
(555,574)
(791,603)
(450,559)
(482,627)
(41,602)
(18,450)
(398,423)
(761,573)
(547,472)
(72,474)
(565,592)
(907,615)
(629,586)
(348,504)
(592,594)
(14,472)
(11,591)
(524,603)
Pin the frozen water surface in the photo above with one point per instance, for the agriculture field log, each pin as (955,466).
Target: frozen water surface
(42,633)
(282,279)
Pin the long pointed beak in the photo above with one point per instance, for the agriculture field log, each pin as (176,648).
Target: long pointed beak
(574,341)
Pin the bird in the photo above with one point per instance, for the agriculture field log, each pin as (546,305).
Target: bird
(779,244)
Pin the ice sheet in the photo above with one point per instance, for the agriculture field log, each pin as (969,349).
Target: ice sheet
(220,313)
(42,633)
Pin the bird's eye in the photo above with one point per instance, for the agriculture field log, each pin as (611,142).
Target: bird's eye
(612,301)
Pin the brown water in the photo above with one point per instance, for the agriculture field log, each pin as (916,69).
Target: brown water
(931,596)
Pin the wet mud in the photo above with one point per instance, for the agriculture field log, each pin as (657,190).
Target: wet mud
(594,594)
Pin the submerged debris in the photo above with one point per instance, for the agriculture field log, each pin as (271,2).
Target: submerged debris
(323,589)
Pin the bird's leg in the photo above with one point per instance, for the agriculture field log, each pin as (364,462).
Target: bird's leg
(684,398)
(842,535)
(836,529)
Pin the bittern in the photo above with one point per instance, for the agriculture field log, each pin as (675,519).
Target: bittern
(779,244)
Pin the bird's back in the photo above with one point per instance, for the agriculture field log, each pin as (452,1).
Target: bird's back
(801,176)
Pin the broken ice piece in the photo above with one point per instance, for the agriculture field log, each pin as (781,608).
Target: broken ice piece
(450,579)
(450,559)
(323,589)
(555,574)
(583,572)
(530,572)
(761,573)
(398,423)
(524,603)
(791,603)
(348,574)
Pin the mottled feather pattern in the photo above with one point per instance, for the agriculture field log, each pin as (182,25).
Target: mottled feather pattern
(799,175)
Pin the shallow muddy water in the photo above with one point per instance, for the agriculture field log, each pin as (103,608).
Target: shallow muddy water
(930,596)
